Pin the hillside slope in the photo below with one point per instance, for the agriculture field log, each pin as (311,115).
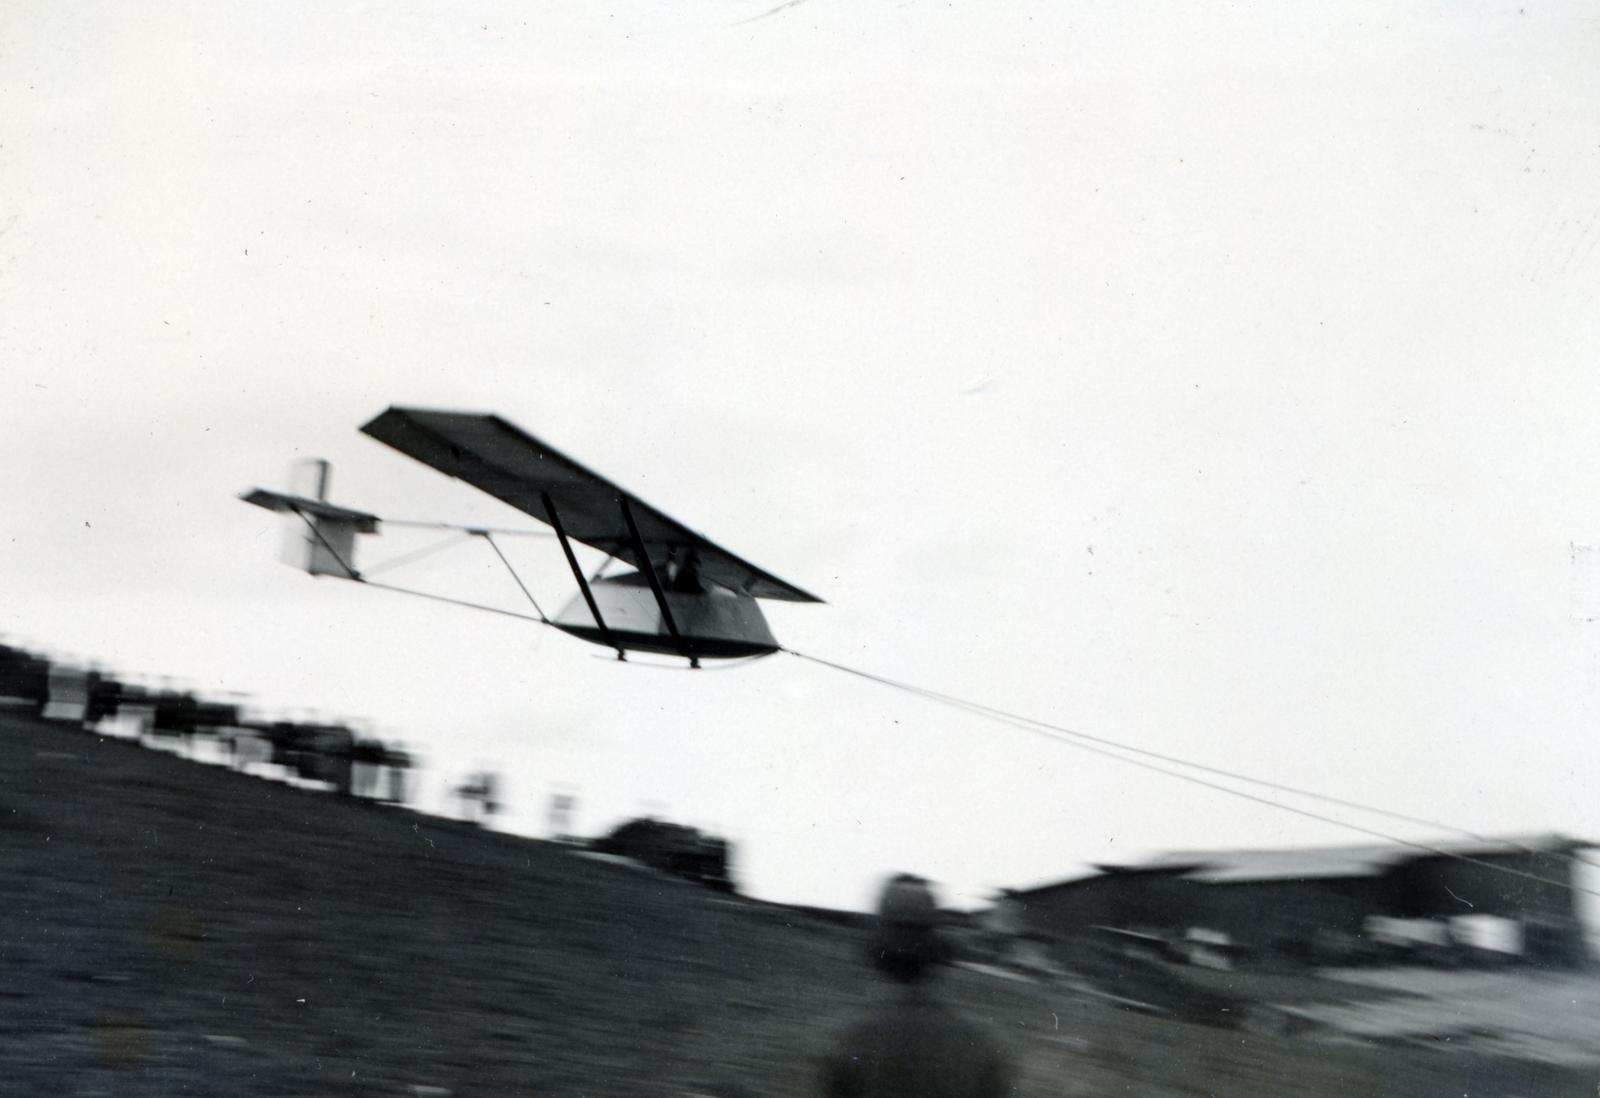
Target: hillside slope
(171,928)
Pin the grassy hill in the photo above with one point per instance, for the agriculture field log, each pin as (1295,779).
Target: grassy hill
(172,928)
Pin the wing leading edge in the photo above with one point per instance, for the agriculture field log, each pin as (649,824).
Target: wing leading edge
(499,458)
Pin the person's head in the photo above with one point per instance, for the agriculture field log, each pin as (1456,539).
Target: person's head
(906,940)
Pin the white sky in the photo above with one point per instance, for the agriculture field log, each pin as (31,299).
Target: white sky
(1217,378)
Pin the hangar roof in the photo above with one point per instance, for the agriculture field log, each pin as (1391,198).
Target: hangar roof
(1322,863)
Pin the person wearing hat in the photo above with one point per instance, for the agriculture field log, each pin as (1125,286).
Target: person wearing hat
(912,1043)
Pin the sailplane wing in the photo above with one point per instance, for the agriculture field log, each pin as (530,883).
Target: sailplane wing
(503,460)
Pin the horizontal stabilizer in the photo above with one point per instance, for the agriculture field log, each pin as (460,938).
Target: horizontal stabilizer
(284,503)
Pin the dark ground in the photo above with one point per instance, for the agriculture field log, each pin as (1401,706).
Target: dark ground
(171,928)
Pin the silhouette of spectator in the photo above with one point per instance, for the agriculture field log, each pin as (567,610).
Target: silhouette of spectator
(175,715)
(911,1043)
(478,797)
(335,758)
(24,680)
(104,695)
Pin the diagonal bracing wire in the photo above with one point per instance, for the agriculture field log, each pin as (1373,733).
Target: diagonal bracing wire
(1122,752)
(357,576)
(488,537)
(457,602)
(416,554)
(326,544)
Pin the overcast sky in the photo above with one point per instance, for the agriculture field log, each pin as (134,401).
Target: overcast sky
(1216,378)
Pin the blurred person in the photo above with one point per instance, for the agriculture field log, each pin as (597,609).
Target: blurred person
(911,1043)
(1003,926)
(24,680)
(104,696)
(478,797)
(335,764)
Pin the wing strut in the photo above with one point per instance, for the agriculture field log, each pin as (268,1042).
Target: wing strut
(583,584)
(649,571)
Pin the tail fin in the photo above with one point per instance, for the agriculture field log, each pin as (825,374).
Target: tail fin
(319,537)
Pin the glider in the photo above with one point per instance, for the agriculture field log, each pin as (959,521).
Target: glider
(685,595)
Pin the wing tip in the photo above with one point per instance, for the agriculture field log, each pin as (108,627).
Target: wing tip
(413,411)
(788,592)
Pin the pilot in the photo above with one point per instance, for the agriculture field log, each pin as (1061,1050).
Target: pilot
(683,576)
(911,1043)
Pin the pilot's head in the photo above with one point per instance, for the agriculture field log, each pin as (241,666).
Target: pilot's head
(906,940)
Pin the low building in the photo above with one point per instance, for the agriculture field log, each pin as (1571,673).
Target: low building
(1320,903)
